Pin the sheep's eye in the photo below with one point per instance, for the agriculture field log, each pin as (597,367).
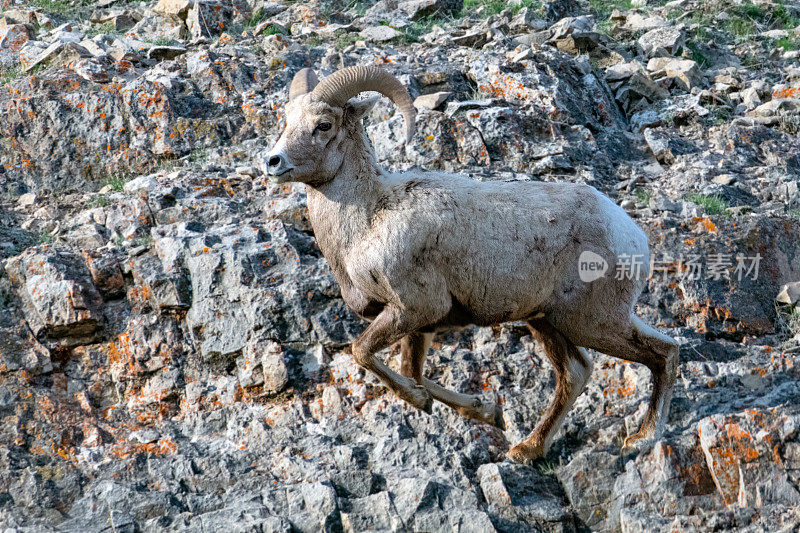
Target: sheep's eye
(324,126)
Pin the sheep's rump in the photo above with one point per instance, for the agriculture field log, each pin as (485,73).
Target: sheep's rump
(507,250)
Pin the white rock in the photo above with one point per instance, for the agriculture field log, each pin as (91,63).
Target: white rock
(724,179)
(380,33)
(775,34)
(173,9)
(431,101)
(684,71)
(751,98)
(662,42)
(13,37)
(27,199)
(94,47)
(145,436)
(790,293)
(276,375)
(45,55)
(638,22)
(67,36)
(142,182)
(247,171)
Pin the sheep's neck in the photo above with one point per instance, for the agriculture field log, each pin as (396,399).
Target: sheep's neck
(341,210)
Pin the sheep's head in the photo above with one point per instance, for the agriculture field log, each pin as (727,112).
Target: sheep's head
(320,116)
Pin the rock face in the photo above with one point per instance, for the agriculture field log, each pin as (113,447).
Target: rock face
(58,296)
(174,351)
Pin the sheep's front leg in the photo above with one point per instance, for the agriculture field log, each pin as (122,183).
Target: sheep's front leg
(573,369)
(387,328)
(414,349)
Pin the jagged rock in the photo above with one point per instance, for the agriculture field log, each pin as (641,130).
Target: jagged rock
(371,513)
(161,53)
(662,42)
(416,9)
(27,199)
(95,70)
(142,182)
(120,19)
(208,18)
(517,493)
(777,107)
(741,452)
(659,145)
(527,20)
(634,89)
(13,37)
(575,35)
(177,10)
(106,272)
(59,299)
(58,54)
(789,294)
(20,351)
(163,289)
(636,21)
(241,255)
(263,364)
(444,142)
(94,144)
(683,108)
(665,147)
(570,25)
(472,39)
(17,16)
(431,101)
(685,73)
(751,98)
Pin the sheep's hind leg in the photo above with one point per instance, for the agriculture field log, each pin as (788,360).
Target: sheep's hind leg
(385,330)
(640,343)
(660,354)
(414,349)
(573,368)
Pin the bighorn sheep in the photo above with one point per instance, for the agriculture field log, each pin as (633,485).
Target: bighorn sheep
(416,252)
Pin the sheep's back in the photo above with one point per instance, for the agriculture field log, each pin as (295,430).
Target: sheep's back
(504,249)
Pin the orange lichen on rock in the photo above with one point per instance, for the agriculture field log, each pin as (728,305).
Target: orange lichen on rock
(705,223)
(740,453)
(788,92)
(161,447)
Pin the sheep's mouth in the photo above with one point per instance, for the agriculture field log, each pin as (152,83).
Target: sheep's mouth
(278,177)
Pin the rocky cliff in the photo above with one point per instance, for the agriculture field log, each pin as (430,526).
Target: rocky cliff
(173,346)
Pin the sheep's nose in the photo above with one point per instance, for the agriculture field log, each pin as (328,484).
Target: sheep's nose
(277,164)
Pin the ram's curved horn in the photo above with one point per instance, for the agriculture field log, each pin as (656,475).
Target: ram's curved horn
(302,83)
(344,84)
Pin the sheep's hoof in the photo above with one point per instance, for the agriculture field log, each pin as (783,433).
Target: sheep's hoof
(499,420)
(524,453)
(488,413)
(639,442)
(419,397)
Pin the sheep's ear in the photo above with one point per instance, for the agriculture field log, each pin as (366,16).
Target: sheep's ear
(358,108)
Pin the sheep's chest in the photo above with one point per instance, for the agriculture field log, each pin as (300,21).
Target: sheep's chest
(335,231)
